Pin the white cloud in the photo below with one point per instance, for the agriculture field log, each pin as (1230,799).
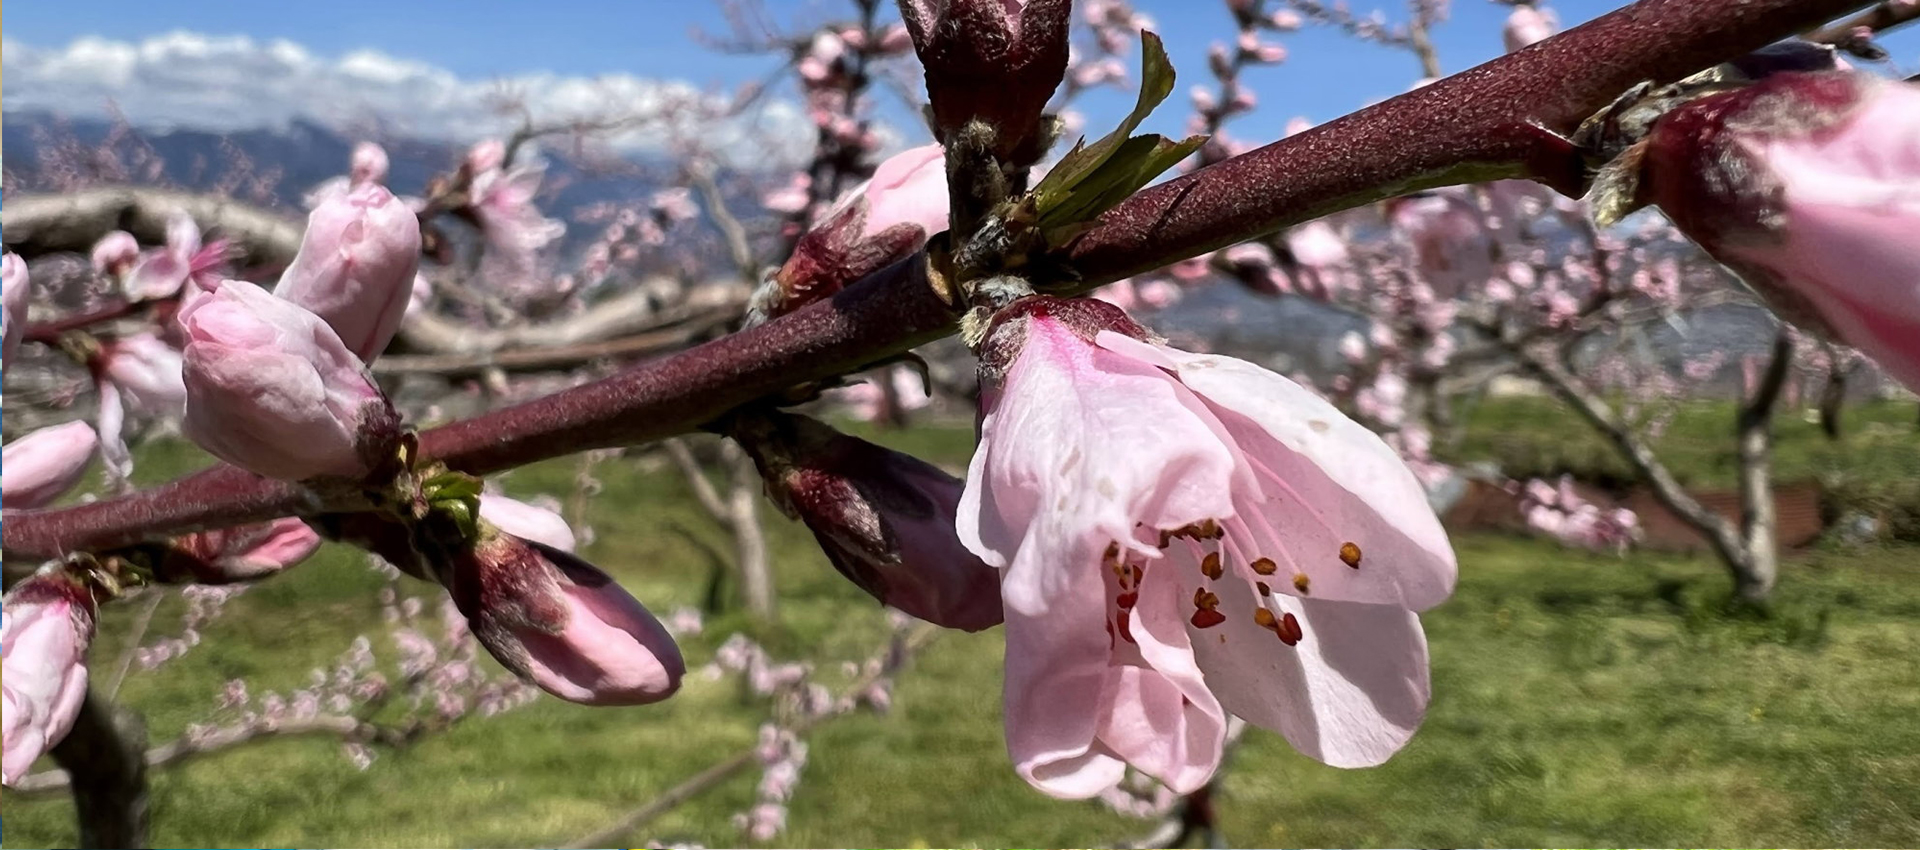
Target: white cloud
(229,83)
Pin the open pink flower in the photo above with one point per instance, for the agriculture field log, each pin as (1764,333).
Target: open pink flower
(1186,536)
(515,230)
(161,273)
(49,623)
(271,389)
(115,253)
(1808,185)
(37,468)
(1452,249)
(562,624)
(356,267)
(16,290)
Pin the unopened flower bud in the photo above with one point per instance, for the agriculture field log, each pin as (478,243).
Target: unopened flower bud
(356,266)
(996,61)
(1808,186)
(241,553)
(885,519)
(876,224)
(560,623)
(271,389)
(15,292)
(37,468)
(49,623)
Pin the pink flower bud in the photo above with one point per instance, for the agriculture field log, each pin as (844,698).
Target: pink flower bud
(356,266)
(115,252)
(1808,185)
(558,622)
(49,623)
(527,522)
(369,164)
(241,553)
(1526,25)
(15,292)
(885,519)
(37,468)
(996,61)
(271,389)
(873,226)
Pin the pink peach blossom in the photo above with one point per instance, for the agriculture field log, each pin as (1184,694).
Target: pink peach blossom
(242,553)
(49,623)
(1808,185)
(356,266)
(1528,24)
(555,620)
(16,291)
(1186,536)
(527,522)
(161,273)
(115,253)
(271,389)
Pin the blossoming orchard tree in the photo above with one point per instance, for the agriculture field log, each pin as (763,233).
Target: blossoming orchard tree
(1175,542)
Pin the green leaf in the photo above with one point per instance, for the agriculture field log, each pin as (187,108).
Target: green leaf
(451,485)
(1133,165)
(1156,82)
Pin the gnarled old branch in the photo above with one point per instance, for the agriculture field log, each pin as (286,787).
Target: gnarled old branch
(41,224)
(1506,118)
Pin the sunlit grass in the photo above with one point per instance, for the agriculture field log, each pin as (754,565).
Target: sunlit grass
(1579,700)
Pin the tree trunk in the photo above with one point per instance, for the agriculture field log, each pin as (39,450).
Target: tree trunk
(1755,574)
(105,755)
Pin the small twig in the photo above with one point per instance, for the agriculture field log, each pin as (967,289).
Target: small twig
(144,619)
(344,727)
(707,779)
(700,173)
(697,479)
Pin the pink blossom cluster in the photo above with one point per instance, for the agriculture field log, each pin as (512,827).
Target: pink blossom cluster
(1559,511)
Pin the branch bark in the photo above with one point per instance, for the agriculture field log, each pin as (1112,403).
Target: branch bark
(1757,508)
(31,225)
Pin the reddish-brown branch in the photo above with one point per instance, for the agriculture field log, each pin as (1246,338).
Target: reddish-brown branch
(49,332)
(1499,120)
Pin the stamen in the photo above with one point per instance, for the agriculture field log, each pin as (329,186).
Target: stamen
(1263,618)
(1265,566)
(1301,582)
(1265,591)
(1127,600)
(1207,618)
(1210,566)
(1289,630)
(1350,554)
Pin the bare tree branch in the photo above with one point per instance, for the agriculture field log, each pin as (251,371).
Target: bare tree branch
(32,225)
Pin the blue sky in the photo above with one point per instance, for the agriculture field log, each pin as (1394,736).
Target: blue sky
(1327,74)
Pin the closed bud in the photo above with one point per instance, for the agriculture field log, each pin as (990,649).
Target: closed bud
(49,623)
(876,224)
(995,61)
(15,292)
(241,553)
(271,389)
(1808,186)
(558,622)
(885,519)
(37,468)
(356,266)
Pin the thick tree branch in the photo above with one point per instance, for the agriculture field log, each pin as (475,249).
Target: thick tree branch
(1502,119)
(108,777)
(1757,509)
(31,225)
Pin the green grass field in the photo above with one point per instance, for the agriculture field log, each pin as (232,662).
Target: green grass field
(1580,700)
